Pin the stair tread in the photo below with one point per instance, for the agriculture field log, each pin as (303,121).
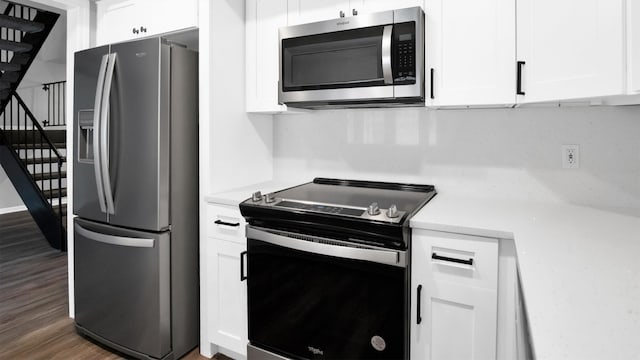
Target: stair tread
(19,47)
(10,76)
(20,59)
(7,66)
(43,160)
(46,176)
(13,22)
(56,136)
(44,146)
(53,193)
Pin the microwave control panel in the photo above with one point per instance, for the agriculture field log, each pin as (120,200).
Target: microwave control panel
(404,54)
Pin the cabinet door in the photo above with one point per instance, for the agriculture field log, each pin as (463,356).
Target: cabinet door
(633,23)
(121,20)
(470,50)
(371,6)
(116,19)
(449,320)
(572,49)
(166,15)
(263,18)
(306,11)
(228,312)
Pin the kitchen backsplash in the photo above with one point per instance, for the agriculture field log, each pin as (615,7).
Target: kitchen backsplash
(497,153)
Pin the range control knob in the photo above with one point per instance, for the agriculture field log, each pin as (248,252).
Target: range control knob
(373,209)
(257,196)
(392,212)
(269,198)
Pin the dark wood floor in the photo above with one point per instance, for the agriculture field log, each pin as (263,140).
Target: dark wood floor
(34,315)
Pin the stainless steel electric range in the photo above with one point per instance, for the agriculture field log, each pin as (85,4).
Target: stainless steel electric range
(327,269)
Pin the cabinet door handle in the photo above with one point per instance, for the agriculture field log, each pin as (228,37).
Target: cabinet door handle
(242,257)
(418,312)
(433,95)
(220,222)
(520,65)
(435,256)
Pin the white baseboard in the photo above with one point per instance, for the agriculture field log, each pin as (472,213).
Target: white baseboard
(13,209)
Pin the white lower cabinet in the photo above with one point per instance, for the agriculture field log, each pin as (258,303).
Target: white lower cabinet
(463,297)
(226,293)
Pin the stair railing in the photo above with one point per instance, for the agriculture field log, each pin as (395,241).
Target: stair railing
(23,132)
(56,103)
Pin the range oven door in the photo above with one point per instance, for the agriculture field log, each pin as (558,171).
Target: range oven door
(314,298)
(358,59)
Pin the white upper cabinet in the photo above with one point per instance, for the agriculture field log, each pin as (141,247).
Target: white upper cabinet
(633,31)
(470,50)
(263,18)
(306,11)
(371,6)
(571,49)
(121,20)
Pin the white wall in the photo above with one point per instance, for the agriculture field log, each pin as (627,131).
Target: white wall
(502,153)
(9,198)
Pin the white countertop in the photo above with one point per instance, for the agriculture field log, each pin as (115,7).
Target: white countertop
(579,266)
(234,197)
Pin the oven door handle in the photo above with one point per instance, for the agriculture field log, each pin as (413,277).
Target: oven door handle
(381,256)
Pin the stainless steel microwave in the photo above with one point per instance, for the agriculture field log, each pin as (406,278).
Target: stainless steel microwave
(372,60)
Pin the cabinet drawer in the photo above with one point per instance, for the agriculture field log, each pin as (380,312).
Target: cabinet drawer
(462,259)
(226,223)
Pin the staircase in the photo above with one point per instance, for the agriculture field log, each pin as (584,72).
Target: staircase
(31,156)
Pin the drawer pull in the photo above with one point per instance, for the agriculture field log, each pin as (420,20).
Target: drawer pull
(435,256)
(220,222)
(418,310)
(243,277)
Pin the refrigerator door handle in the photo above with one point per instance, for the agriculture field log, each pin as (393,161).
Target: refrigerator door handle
(96,134)
(104,134)
(114,240)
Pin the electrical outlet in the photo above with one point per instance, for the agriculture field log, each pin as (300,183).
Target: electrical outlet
(570,156)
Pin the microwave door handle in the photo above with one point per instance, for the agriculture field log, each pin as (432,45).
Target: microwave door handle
(104,134)
(97,108)
(387,72)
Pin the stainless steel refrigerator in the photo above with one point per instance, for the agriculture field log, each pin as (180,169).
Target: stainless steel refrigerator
(135,191)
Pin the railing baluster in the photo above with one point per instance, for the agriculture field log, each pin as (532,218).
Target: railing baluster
(41,159)
(48,105)
(59,107)
(64,103)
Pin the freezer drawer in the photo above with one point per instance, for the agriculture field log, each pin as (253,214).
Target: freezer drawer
(122,287)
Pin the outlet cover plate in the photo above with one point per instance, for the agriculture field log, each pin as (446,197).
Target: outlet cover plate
(570,156)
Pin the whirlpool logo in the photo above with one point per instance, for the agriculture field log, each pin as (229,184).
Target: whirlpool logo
(315,351)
